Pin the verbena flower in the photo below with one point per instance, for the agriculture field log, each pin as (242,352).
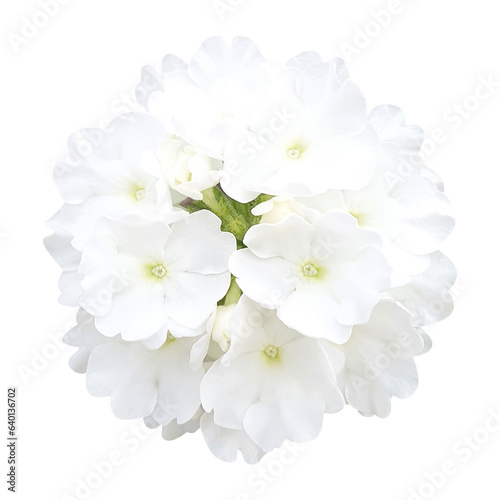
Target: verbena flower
(322,277)
(139,381)
(262,384)
(379,360)
(152,272)
(251,251)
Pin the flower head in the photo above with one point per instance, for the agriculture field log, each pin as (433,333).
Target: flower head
(262,385)
(251,251)
(321,277)
(138,275)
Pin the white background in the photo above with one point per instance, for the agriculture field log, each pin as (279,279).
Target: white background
(81,68)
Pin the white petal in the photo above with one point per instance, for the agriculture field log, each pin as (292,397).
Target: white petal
(174,430)
(191,297)
(427,296)
(209,257)
(290,239)
(266,281)
(215,60)
(379,360)
(314,314)
(225,443)
(136,312)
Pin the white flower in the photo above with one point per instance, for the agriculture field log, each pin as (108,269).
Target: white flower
(110,179)
(59,245)
(318,139)
(225,443)
(158,383)
(141,382)
(404,201)
(409,214)
(399,146)
(220,326)
(276,209)
(427,296)
(409,217)
(152,80)
(125,138)
(174,430)
(86,337)
(208,100)
(262,384)
(322,277)
(185,169)
(138,275)
(379,360)
(215,336)
(252,251)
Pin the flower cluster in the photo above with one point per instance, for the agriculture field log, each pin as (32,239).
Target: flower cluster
(251,251)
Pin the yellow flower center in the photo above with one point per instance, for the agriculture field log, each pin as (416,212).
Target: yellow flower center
(294,153)
(159,271)
(140,194)
(271,351)
(310,270)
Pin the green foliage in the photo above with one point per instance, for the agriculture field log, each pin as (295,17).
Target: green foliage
(237,218)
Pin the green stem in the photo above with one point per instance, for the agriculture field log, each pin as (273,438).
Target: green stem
(211,202)
(236,217)
(233,294)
